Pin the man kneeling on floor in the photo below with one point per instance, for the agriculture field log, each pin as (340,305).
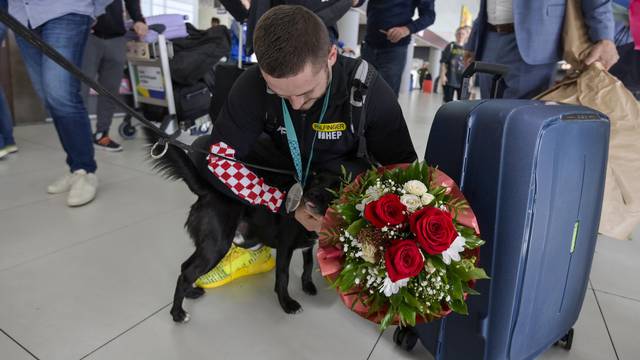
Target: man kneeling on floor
(294,110)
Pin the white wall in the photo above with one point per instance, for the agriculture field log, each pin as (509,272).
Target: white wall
(448,16)
(206,11)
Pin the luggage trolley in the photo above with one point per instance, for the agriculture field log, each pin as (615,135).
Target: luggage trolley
(150,77)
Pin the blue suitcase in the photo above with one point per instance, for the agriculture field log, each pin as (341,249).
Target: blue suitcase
(534,174)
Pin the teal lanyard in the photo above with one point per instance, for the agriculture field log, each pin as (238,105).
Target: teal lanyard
(292,138)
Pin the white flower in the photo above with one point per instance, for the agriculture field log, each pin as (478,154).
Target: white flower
(389,287)
(412,202)
(427,199)
(453,252)
(371,194)
(415,187)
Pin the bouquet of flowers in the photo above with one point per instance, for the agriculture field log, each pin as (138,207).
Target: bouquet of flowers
(401,245)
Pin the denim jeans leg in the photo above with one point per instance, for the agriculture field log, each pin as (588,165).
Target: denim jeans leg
(389,62)
(6,123)
(68,35)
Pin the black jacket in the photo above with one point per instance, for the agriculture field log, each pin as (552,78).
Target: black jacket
(386,14)
(250,112)
(111,23)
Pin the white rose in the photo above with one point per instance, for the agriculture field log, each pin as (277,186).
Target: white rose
(415,187)
(412,202)
(427,199)
(373,193)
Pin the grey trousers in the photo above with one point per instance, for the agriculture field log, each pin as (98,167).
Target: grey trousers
(104,61)
(523,81)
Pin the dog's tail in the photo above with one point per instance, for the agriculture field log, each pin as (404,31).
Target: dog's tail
(176,165)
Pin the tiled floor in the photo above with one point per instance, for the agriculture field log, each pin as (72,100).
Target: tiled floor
(96,282)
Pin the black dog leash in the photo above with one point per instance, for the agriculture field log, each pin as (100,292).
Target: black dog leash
(165,139)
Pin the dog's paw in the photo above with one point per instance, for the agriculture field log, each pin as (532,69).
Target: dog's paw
(194,293)
(291,306)
(180,316)
(309,288)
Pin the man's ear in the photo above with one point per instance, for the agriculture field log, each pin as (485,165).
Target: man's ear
(333,55)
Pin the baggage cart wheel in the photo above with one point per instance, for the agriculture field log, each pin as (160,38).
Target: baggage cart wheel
(567,341)
(126,130)
(405,338)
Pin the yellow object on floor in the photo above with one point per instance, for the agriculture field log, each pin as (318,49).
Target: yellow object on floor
(238,262)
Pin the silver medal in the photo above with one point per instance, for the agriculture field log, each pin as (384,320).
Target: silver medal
(294,197)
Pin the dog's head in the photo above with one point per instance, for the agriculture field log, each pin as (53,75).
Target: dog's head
(317,196)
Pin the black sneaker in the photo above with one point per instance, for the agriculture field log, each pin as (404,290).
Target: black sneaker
(104,142)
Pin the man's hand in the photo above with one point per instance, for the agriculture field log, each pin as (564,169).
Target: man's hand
(308,219)
(397,33)
(468,58)
(141,29)
(443,80)
(354,3)
(604,52)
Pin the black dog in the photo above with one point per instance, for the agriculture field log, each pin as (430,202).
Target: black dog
(214,220)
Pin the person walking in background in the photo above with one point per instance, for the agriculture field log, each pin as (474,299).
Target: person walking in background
(389,26)
(452,61)
(104,59)
(527,37)
(7,143)
(424,74)
(64,25)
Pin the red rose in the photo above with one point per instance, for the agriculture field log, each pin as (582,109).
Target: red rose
(388,210)
(434,229)
(403,260)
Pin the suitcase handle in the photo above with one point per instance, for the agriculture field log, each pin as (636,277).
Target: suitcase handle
(498,71)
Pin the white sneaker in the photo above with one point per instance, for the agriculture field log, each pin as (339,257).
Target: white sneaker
(3,152)
(83,189)
(63,184)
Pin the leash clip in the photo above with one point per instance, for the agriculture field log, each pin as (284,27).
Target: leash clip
(160,142)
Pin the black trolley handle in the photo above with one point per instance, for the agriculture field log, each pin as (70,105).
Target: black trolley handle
(498,71)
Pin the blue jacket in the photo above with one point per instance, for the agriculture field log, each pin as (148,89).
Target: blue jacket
(386,14)
(538,27)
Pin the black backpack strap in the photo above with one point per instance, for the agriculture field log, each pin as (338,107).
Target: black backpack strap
(361,81)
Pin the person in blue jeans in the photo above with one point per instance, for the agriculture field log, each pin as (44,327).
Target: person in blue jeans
(65,25)
(389,26)
(7,143)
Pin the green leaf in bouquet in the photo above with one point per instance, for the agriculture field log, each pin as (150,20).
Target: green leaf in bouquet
(407,315)
(426,175)
(347,278)
(388,318)
(375,302)
(459,306)
(473,242)
(356,226)
(437,262)
(478,274)
(467,271)
(411,300)
(396,300)
(456,288)
(468,290)
(348,212)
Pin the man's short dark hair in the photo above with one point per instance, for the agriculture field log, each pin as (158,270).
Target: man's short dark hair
(215,21)
(288,37)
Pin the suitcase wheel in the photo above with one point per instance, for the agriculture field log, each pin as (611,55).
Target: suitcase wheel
(126,130)
(405,338)
(567,341)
